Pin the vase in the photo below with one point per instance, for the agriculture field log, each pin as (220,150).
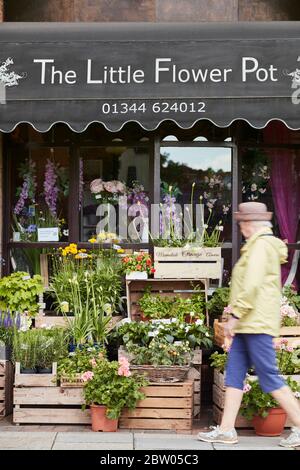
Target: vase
(271,425)
(100,422)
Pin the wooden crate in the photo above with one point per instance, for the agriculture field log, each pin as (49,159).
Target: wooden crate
(36,380)
(43,321)
(166,406)
(290,333)
(165,288)
(194,375)
(219,400)
(187,263)
(6,388)
(49,405)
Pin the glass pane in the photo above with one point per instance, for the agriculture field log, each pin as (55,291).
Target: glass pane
(40,186)
(210,169)
(120,178)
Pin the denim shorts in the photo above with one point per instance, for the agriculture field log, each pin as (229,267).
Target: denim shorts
(253,350)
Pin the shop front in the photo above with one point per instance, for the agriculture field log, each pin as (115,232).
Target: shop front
(162,114)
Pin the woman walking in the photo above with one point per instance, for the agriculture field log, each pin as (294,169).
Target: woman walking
(255,321)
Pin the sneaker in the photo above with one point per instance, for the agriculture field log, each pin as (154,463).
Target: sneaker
(293,440)
(216,435)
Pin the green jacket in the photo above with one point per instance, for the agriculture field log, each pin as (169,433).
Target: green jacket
(256,284)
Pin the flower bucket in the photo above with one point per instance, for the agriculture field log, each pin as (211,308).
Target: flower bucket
(140,275)
(272,425)
(100,422)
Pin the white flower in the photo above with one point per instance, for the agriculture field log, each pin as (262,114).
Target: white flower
(199,322)
(173,320)
(253,187)
(206,334)
(187,329)
(156,333)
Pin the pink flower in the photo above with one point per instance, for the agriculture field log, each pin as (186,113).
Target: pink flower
(290,349)
(124,367)
(110,186)
(227,309)
(93,362)
(96,186)
(284,341)
(247,388)
(123,361)
(124,371)
(86,376)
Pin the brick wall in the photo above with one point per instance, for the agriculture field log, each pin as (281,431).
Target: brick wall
(151,10)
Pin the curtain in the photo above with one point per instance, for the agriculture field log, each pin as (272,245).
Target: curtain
(285,185)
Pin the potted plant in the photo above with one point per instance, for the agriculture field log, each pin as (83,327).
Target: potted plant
(161,361)
(138,266)
(195,256)
(19,293)
(25,350)
(108,388)
(290,302)
(52,346)
(261,408)
(8,323)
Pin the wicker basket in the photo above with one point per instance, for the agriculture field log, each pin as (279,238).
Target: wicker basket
(71,382)
(162,373)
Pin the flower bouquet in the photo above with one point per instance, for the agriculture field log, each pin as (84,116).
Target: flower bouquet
(107,192)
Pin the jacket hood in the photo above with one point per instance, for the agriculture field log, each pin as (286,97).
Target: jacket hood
(280,247)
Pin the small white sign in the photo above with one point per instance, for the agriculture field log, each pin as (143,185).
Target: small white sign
(49,234)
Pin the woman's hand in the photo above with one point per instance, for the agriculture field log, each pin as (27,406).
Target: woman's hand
(229,327)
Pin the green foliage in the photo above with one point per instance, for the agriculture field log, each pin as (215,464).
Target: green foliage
(158,307)
(258,403)
(218,361)
(79,361)
(172,330)
(218,302)
(160,352)
(19,291)
(39,347)
(108,388)
(293,298)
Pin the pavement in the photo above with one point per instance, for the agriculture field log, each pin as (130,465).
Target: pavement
(57,437)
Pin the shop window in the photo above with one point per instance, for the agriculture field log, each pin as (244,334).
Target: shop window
(208,171)
(40,189)
(115,193)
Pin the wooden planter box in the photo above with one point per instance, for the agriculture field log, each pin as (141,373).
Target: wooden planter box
(43,321)
(36,380)
(187,263)
(49,405)
(165,288)
(6,388)
(166,406)
(290,333)
(219,400)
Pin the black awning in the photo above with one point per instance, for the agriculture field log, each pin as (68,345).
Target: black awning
(113,73)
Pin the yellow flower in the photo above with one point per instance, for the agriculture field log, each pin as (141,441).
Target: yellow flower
(73,245)
(93,240)
(83,250)
(77,257)
(120,250)
(64,253)
(101,236)
(73,251)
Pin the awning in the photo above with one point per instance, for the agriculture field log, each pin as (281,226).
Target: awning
(113,73)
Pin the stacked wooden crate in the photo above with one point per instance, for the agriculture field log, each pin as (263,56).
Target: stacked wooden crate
(290,333)
(166,406)
(6,388)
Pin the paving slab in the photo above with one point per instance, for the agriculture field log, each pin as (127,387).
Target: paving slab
(27,440)
(92,446)
(252,443)
(168,442)
(98,437)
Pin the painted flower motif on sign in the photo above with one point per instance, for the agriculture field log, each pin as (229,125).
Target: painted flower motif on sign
(8,78)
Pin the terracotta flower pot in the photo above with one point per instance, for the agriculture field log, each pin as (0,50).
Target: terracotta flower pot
(100,422)
(272,425)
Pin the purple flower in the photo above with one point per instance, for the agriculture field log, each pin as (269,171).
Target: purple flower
(31,228)
(50,187)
